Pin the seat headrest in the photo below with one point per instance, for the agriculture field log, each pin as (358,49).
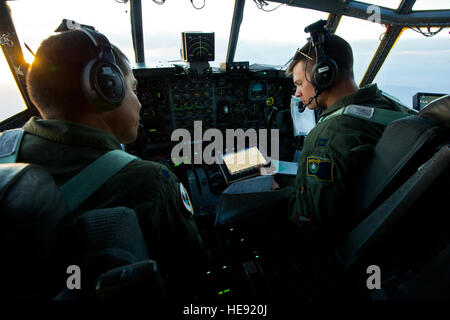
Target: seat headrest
(32,210)
(438,110)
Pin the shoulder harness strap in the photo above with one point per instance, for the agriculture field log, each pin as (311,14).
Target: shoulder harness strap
(91,178)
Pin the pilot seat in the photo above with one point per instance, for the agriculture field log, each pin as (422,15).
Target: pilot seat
(41,239)
(401,227)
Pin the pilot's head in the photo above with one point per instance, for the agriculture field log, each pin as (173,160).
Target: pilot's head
(304,60)
(54,86)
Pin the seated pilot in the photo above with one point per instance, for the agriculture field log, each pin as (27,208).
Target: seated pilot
(338,149)
(86,95)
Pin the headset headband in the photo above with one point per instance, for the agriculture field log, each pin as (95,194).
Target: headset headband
(317,39)
(100,42)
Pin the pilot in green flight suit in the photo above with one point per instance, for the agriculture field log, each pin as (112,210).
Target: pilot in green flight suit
(74,132)
(339,148)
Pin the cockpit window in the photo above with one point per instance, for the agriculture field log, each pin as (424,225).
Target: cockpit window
(163,25)
(364,37)
(37,20)
(271,37)
(11,99)
(431,4)
(416,64)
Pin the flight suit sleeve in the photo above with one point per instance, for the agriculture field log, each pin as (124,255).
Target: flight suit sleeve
(325,183)
(185,233)
(184,250)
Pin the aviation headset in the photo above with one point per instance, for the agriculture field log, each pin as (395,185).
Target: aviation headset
(325,71)
(102,81)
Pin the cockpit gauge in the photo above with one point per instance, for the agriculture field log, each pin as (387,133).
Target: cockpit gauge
(198,46)
(258,90)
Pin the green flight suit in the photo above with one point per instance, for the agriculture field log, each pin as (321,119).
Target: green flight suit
(169,229)
(336,151)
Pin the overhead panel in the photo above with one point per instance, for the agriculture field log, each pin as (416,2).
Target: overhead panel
(362,10)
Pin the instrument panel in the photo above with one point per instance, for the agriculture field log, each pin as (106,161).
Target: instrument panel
(172,99)
(156,117)
(221,100)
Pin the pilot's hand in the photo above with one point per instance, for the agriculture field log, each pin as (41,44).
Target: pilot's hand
(275,185)
(267,171)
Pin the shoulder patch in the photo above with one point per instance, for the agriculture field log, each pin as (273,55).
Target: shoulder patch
(185,199)
(322,170)
(359,111)
(10,141)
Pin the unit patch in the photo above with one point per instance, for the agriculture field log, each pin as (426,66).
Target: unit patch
(185,199)
(9,145)
(322,170)
(9,141)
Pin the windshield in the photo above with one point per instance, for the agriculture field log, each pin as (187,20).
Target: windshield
(416,63)
(12,101)
(163,25)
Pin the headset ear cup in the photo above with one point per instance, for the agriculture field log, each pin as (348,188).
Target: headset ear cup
(324,74)
(103,84)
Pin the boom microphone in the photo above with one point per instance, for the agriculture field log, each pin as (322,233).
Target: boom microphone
(302,107)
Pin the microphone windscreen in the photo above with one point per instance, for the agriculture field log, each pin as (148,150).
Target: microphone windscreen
(301,106)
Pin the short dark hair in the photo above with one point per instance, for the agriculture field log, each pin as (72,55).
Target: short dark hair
(53,80)
(335,48)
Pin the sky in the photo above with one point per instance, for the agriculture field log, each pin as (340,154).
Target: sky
(416,63)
